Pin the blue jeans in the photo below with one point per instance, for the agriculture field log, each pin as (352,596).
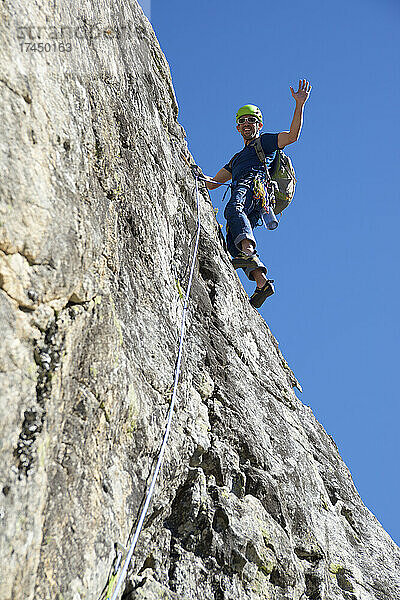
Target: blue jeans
(242,214)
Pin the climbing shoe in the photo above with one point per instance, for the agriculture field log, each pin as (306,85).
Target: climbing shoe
(243,261)
(261,294)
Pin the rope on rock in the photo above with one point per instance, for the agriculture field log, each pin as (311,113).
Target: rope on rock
(143,513)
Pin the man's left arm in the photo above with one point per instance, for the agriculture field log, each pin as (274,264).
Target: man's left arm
(301,97)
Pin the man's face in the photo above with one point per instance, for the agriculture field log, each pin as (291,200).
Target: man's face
(248,130)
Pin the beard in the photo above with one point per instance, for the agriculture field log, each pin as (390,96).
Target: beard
(249,135)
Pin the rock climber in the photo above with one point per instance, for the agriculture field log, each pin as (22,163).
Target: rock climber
(243,210)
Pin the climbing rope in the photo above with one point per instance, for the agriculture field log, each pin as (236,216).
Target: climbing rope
(143,513)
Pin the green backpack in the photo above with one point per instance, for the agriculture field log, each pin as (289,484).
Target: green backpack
(282,172)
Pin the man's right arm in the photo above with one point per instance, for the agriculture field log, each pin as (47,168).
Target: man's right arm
(223,176)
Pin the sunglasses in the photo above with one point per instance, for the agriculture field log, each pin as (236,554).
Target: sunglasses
(242,120)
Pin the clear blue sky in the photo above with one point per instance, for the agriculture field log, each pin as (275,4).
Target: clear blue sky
(335,254)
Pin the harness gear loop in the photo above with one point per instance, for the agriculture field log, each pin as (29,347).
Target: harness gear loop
(150,492)
(260,194)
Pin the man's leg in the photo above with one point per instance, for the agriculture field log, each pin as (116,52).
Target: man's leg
(258,274)
(259,277)
(265,286)
(241,240)
(248,246)
(238,224)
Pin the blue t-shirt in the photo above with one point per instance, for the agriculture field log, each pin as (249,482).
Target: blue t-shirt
(246,161)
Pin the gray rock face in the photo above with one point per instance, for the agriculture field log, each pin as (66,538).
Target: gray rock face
(97,223)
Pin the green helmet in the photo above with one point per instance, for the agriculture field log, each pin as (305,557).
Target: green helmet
(249,109)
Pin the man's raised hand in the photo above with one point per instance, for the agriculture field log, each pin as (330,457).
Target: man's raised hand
(303,92)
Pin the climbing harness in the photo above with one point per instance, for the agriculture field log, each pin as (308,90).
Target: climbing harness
(160,458)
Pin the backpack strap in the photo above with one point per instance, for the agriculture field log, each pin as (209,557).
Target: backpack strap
(261,155)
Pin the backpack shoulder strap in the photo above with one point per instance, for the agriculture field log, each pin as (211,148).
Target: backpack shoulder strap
(261,154)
